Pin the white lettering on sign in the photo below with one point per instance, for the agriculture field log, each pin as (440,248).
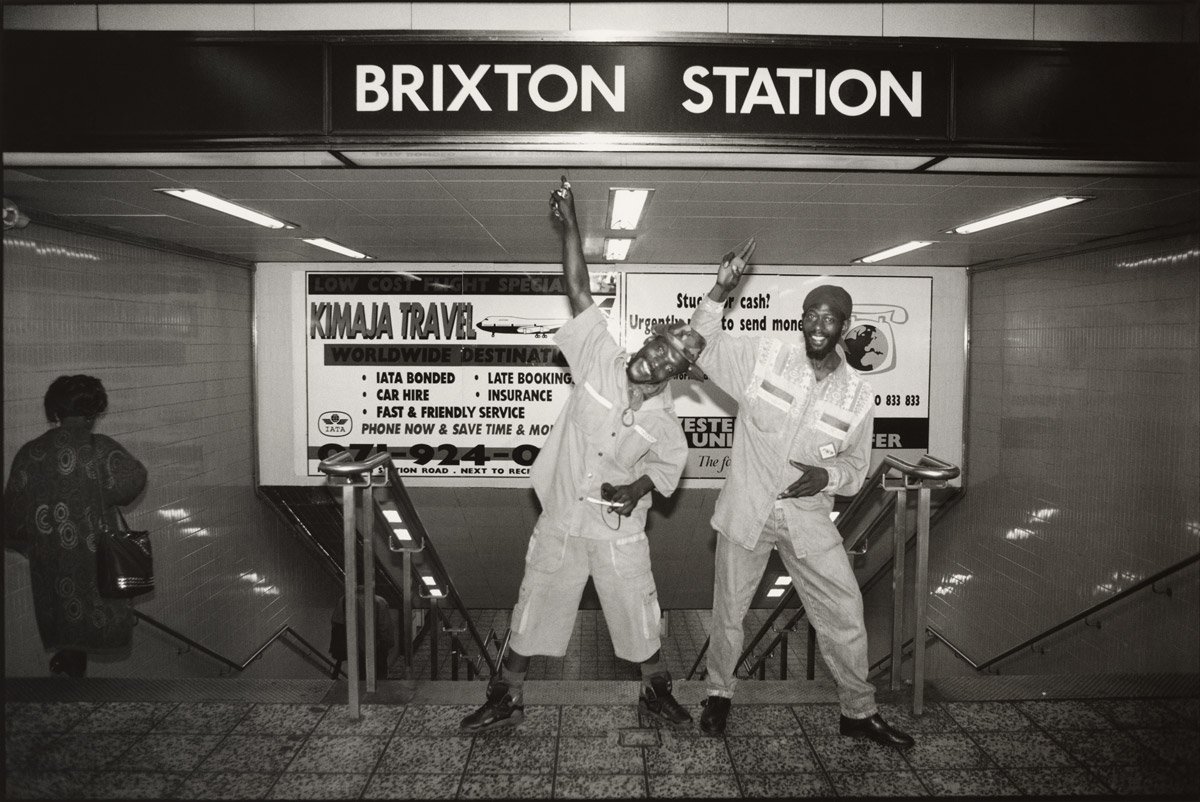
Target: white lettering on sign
(551,87)
(781,91)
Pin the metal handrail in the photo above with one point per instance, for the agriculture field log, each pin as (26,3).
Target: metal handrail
(279,633)
(928,467)
(857,503)
(340,464)
(1113,599)
(1095,608)
(409,514)
(884,512)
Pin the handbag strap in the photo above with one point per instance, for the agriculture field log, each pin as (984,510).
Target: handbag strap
(100,484)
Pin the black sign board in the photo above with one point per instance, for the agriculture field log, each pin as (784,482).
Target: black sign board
(89,91)
(791,92)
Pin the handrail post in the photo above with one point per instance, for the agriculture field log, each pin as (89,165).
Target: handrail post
(406,612)
(783,653)
(810,669)
(921,597)
(434,626)
(368,552)
(351,476)
(927,474)
(899,533)
(350,598)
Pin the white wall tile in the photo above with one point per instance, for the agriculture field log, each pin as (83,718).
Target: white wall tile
(651,17)
(491,16)
(80,17)
(170,337)
(1082,465)
(176,17)
(807,19)
(1150,22)
(332,16)
(959,20)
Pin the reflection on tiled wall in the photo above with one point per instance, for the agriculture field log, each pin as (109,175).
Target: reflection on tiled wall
(1082,463)
(169,336)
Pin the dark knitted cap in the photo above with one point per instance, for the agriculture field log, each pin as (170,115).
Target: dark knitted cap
(837,298)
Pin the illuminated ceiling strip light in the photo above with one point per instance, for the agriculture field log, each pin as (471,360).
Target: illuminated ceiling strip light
(774,592)
(783,580)
(625,208)
(330,245)
(616,250)
(1040,207)
(428,580)
(228,207)
(896,251)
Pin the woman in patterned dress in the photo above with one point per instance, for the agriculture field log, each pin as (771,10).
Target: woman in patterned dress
(62,487)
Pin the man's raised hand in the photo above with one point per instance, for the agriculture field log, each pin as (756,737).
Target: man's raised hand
(562,203)
(734,264)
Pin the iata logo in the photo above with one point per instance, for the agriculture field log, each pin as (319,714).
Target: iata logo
(334,424)
(870,343)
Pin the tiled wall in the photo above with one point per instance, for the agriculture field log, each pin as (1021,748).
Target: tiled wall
(1083,463)
(170,338)
(1079,22)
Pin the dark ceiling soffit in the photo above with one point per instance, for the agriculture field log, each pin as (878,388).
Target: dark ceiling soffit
(91,229)
(310,127)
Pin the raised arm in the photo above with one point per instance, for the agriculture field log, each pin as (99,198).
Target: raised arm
(733,266)
(562,208)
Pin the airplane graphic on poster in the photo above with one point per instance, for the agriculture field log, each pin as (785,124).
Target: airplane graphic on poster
(539,327)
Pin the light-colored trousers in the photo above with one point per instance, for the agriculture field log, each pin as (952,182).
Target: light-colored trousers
(829,591)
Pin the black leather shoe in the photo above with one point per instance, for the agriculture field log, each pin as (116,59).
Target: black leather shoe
(878,730)
(716,711)
(500,710)
(656,701)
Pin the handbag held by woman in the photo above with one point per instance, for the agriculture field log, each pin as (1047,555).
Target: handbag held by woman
(124,562)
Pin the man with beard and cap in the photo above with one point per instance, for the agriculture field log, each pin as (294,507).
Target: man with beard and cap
(616,440)
(803,434)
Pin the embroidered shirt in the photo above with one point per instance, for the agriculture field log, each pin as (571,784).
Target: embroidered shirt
(590,444)
(784,413)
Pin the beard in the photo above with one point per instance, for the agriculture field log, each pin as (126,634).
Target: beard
(819,353)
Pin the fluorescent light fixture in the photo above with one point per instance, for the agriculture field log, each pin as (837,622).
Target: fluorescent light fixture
(330,245)
(616,249)
(428,580)
(228,207)
(774,593)
(1048,205)
(833,516)
(625,208)
(896,251)
(783,580)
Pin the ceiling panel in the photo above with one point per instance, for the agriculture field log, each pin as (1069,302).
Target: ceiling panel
(464,214)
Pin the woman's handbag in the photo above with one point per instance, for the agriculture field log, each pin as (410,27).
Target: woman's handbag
(124,562)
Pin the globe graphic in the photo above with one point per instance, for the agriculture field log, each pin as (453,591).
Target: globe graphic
(866,347)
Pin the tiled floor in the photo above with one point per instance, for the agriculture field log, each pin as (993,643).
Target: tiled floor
(581,739)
